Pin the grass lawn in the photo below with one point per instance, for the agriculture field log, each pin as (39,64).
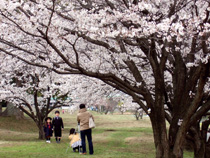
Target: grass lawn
(116,136)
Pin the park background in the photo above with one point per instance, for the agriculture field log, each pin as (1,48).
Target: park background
(156,53)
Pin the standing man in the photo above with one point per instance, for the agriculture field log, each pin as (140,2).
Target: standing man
(83,119)
(58,126)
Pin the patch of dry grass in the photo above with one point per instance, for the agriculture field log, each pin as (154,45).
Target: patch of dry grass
(11,124)
(137,140)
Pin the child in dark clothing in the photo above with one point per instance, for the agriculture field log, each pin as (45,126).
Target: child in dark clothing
(48,129)
(58,126)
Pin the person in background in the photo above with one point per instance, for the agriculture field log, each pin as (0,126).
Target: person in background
(83,119)
(75,140)
(48,129)
(58,126)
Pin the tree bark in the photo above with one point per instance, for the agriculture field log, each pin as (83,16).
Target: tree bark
(207,153)
(160,136)
(137,115)
(161,143)
(41,130)
(158,116)
(202,150)
(200,153)
(0,108)
(141,113)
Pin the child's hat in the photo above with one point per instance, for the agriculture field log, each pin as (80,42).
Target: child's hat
(48,118)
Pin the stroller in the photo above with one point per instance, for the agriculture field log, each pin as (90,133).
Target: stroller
(75,133)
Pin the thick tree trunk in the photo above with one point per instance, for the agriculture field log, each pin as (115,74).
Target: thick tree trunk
(158,119)
(207,151)
(41,134)
(0,108)
(201,145)
(41,130)
(175,155)
(161,143)
(199,142)
(172,138)
(200,153)
(160,136)
(174,127)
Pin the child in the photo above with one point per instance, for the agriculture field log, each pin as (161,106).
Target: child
(75,140)
(58,126)
(48,129)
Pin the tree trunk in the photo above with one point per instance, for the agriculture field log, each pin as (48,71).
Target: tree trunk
(172,138)
(174,127)
(175,155)
(160,136)
(158,119)
(141,113)
(106,112)
(122,112)
(137,115)
(41,130)
(0,108)
(137,118)
(207,153)
(200,153)
(202,150)
(199,143)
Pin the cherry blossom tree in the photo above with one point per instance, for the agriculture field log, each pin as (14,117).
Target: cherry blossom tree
(31,89)
(156,51)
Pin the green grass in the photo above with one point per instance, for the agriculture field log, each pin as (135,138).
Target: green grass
(116,136)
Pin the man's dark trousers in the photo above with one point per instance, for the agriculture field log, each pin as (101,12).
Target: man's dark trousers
(87,133)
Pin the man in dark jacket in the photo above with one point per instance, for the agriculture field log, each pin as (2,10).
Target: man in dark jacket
(58,126)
